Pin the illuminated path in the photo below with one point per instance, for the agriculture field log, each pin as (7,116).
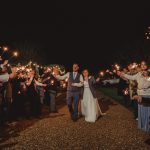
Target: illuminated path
(117,130)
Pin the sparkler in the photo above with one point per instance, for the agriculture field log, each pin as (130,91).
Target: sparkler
(126,91)
(110,73)
(134,65)
(52,82)
(15,54)
(117,67)
(28,70)
(5,49)
(102,73)
(114,71)
(19,92)
(22,68)
(66,80)
(64,85)
(107,70)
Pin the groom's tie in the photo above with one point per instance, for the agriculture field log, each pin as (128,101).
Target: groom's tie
(74,75)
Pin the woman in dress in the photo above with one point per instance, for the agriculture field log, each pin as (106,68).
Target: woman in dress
(89,103)
(34,97)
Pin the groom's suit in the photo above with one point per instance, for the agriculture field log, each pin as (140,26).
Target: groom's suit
(73,92)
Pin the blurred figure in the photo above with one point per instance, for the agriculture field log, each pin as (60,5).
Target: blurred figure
(52,88)
(35,105)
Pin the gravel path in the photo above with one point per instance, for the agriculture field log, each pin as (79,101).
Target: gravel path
(115,131)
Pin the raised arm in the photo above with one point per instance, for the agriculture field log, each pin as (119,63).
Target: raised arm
(39,84)
(59,77)
(129,77)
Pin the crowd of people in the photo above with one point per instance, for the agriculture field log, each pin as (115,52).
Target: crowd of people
(135,85)
(25,89)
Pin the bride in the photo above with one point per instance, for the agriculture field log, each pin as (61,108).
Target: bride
(89,103)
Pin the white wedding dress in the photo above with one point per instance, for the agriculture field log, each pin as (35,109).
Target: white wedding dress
(89,105)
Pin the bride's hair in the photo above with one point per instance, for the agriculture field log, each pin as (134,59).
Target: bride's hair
(87,71)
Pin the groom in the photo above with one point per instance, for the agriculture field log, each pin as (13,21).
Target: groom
(73,92)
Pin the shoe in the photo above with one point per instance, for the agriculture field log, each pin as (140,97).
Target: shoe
(103,114)
(54,111)
(80,115)
(74,119)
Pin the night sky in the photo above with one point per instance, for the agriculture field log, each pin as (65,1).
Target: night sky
(89,34)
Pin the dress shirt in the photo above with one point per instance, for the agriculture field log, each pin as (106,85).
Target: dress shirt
(4,77)
(67,76)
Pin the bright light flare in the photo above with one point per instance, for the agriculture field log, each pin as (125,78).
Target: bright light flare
(15,54)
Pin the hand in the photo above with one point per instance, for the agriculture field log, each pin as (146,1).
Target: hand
(44,85)
(5,62)
(73,84)
(98,79)
(14,73)
(138,98)
(56,71)
(119,73)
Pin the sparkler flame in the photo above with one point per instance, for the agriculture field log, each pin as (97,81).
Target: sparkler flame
(15,54)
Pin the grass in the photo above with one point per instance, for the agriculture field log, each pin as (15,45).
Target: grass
(112,92)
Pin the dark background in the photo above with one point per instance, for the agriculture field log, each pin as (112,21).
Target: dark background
(91,34)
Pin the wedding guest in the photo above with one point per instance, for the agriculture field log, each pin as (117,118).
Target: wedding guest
(6,93)
(143,91)
(35,105)
(133,89)
(52,88)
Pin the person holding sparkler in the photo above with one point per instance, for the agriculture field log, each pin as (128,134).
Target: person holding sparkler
(51,88)
(35,107)
(143,91)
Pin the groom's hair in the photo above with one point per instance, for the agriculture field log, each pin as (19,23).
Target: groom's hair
(76,64)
